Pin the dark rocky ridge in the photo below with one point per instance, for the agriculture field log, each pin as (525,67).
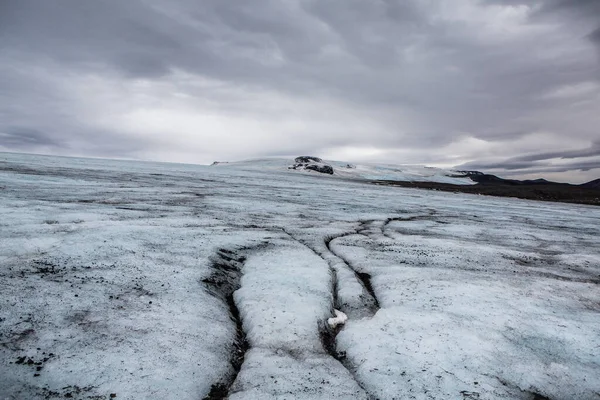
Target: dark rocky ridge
(492,185)
(313,164)
(484,178)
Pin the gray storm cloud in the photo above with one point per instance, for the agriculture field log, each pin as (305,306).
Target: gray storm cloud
(512,86)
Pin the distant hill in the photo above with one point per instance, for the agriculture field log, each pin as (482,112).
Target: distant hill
(484,179)
(595,184)
(419,176)
(313,165)
(533,189)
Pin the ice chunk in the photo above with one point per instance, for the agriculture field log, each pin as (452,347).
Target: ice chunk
(339,319)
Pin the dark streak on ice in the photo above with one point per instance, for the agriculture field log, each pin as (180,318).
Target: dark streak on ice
(328,338)
(326,333)
(366,280)
(222,283)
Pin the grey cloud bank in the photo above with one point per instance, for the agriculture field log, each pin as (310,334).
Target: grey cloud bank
(511,87)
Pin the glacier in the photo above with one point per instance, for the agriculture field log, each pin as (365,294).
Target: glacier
(143,280)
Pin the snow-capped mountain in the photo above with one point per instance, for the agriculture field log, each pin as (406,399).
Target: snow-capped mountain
(386,172)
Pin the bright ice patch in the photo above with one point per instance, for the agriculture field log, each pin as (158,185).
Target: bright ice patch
(339,319)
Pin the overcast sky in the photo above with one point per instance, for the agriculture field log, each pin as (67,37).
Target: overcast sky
(508,87)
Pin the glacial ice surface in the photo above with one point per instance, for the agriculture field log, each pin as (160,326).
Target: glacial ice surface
(104,268)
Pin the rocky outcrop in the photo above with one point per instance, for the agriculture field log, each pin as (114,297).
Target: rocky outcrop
(465,174)
(313,164)
(307,159)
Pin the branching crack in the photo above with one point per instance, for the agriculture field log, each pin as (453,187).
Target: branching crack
(364,278)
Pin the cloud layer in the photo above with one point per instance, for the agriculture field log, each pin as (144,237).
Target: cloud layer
(512,87)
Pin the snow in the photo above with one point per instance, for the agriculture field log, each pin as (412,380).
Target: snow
(104,268)
(276,283)
(410,173)
(384,172)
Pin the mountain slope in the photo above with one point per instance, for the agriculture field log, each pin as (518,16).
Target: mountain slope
(595,184)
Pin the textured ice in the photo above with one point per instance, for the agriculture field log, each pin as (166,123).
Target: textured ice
(104,268)
(284,298)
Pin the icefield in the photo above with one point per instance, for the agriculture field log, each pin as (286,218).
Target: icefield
(139,280)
